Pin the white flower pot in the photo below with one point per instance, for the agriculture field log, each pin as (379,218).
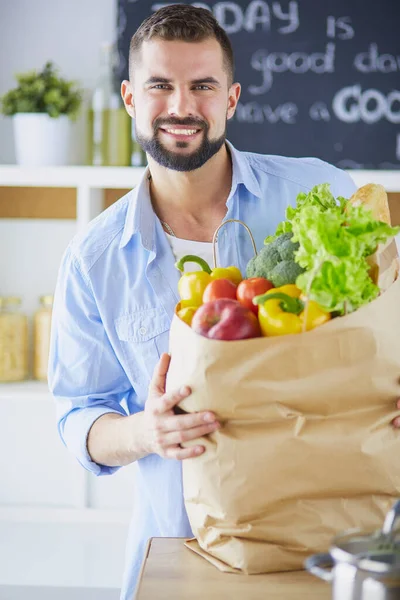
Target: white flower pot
(41,140)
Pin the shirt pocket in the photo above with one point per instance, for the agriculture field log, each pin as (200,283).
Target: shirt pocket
(143,336)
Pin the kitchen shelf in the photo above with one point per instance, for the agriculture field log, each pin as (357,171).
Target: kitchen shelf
(90,188)
(389,179)
(95,188)
(85,191)
(70,176)
(128,177)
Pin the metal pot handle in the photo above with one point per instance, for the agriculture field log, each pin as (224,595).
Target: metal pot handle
(390,519)
(313,565)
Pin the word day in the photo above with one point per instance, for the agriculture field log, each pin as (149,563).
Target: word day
(256,16)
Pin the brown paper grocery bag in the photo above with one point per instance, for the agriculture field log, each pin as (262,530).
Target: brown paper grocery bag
(306,449)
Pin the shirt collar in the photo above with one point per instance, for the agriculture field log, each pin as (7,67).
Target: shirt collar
(242,173)
(140,217)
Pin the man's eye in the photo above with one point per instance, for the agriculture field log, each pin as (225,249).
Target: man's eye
(202,87)
(160,86)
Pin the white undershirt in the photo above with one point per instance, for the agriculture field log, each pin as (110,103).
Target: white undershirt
(182,247)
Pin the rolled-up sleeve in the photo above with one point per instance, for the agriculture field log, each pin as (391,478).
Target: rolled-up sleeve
(85,376)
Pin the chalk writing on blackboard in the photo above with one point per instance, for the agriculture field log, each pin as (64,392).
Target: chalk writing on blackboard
(256,15)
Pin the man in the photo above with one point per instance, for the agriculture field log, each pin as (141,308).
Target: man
(117,286)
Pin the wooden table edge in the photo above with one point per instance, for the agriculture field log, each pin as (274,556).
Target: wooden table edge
(142,568)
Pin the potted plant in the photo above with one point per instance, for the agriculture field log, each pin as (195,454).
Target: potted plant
(42,107)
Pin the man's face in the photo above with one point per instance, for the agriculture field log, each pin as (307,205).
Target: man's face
(181,101)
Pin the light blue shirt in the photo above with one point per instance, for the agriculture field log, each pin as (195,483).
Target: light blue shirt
(114,302)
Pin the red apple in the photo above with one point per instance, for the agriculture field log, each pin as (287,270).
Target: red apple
(225,319)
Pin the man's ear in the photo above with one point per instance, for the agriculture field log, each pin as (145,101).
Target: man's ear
(127,97)
(233,98)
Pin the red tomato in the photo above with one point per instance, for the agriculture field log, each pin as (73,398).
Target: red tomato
(219,288)
(249,288)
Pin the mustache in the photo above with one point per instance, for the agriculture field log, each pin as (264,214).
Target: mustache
(186,121)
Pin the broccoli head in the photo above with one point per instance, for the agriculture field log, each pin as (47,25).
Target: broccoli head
(276,261)
(287,249)
(285,272)
(263,264)
(284,237)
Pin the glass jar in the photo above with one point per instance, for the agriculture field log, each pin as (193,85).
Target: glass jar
(13,340)
(41,337)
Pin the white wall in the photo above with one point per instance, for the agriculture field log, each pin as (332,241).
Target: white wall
(68,32)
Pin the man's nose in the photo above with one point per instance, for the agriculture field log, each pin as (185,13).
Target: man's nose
(181,103)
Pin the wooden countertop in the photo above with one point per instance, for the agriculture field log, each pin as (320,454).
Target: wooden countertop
(173,572)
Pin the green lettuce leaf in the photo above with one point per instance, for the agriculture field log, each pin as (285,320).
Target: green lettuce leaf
(335,238)
(319,196)
(334,242)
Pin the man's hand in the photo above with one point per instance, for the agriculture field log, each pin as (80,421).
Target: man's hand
(396,421)
(165,431)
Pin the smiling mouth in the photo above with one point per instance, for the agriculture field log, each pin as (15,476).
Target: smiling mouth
(183,133)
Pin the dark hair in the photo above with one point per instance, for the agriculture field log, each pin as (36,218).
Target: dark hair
(185,23)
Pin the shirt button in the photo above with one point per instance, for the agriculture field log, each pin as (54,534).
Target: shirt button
(142,330)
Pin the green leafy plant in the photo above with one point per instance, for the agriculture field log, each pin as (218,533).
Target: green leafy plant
(42,92)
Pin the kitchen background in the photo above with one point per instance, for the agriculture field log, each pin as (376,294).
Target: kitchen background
(58,524)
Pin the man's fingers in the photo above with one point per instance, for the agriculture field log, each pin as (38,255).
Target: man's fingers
(168,401)
(157,383)
(178,437)
(181,422)
(396,421)
(178,453)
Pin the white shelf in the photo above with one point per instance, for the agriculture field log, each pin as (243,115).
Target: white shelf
(389,179)
(21,390)
(71,176)
(128,177)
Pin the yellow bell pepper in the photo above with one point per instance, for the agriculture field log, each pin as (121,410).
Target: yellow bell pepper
(192,284)
(186,314)
(283,311)
(231,273)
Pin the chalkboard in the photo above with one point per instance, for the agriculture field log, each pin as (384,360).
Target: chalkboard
(319,77)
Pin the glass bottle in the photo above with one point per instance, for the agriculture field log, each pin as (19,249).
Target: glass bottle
(41,337)
(13,341)
(109,123)
(98,115)
(119,133)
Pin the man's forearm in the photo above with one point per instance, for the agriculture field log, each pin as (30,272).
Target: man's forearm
(115,440)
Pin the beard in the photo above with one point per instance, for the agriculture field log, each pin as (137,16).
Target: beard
(178,161)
